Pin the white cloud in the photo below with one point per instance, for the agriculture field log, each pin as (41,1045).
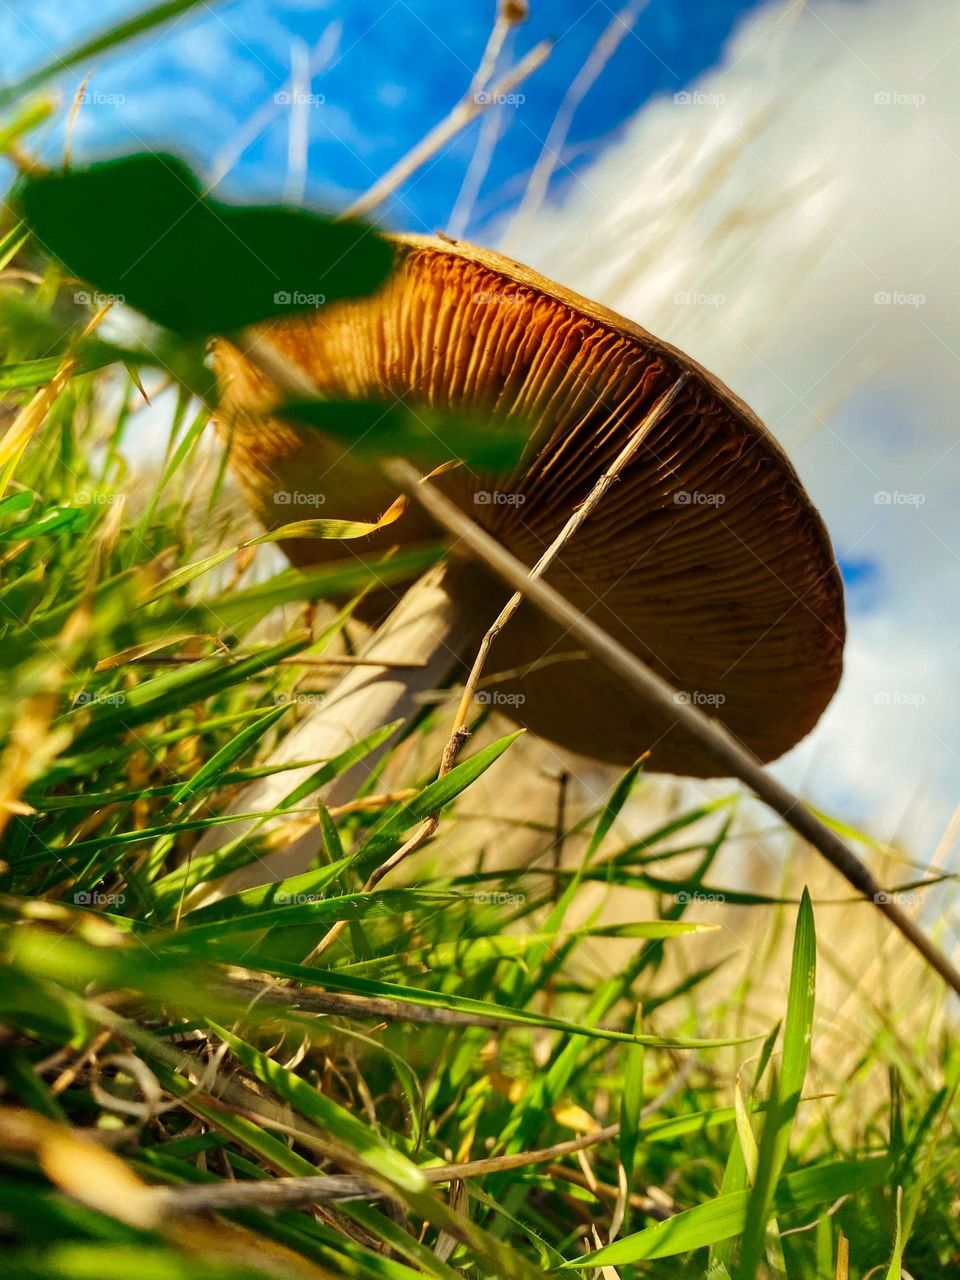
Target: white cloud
(815,170)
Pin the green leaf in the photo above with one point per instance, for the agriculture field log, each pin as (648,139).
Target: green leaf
(238,610)
(762,1173)
(140,229)
(29,1086)
(174,689)
(242,1130)
(427,436)
(13,503)
(29,116)
(37,373)
(323,530)
(331,836)
(56,520)
(310,884)
(611,810)
(168,889)
(745,1135)
(476,950)
(895,1269)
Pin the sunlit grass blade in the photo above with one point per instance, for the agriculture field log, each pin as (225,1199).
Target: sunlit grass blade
(727,1215)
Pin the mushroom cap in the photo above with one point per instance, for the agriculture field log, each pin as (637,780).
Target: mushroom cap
(706,557)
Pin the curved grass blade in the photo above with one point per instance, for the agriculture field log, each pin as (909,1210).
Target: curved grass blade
(384,1159)
(111,37)
(324,530)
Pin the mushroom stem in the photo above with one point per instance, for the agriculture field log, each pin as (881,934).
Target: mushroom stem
(735,760)
(426,629)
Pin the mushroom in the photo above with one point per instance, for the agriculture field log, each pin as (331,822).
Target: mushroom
(707,558)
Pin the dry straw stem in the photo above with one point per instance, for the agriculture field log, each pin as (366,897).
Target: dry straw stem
(462,114)
(509,14)
(551,155)
(734,760)
(460,733)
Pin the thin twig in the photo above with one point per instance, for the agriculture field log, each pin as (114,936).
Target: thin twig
(661,1206)
(66,1077)
(733,759)
(576,520)
(337,1004)
(509,14)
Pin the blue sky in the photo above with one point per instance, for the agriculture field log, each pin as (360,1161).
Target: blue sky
(393,71)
